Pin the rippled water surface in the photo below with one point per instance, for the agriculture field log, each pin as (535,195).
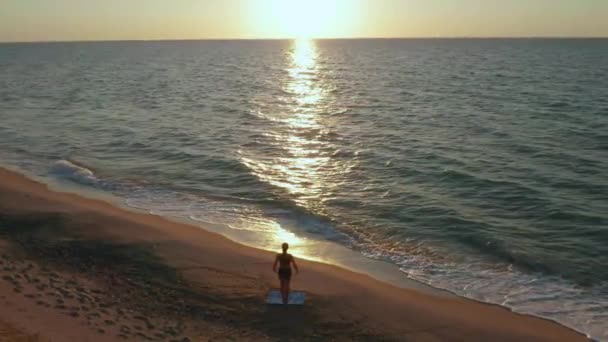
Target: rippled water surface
(478,166)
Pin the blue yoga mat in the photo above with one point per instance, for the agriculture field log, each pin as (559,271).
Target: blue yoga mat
(295,298)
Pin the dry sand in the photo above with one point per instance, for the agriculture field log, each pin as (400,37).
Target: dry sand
(76,269)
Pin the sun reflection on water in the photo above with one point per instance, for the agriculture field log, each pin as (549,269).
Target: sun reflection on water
(304,54)
(303,168)
(304,83)
(303,162)
(299,169)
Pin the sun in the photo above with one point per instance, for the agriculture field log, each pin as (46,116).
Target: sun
(303,19)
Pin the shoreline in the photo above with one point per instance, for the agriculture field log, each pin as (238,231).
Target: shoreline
(345,258)
(482,320)
(353,261)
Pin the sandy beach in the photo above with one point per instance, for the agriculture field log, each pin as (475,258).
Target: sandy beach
(77,269)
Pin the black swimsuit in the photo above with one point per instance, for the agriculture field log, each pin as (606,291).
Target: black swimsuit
(285,266)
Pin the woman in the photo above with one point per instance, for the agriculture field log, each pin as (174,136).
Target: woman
(284,261)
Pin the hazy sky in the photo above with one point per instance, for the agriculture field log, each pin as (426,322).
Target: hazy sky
(42,20)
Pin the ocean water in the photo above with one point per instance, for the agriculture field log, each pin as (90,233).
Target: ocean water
(476,166)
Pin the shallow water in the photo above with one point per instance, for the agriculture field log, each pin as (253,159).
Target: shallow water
(477,166)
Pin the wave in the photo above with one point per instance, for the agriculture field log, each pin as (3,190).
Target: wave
(75,172)
(502,283)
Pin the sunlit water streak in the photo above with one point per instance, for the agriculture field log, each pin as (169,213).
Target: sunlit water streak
(473,165)
(305,168)
(302,168)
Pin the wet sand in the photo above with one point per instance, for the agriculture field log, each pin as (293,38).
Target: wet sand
(77,269)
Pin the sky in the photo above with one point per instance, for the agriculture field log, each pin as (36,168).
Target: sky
(68,20)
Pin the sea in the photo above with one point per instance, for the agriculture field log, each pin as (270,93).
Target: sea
(475,166)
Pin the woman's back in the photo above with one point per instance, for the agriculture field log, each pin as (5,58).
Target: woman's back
(284,260)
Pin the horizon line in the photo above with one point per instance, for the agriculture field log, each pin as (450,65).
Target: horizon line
(284,39)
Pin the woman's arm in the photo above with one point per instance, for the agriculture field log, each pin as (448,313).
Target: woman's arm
(276,261)
(293,261)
